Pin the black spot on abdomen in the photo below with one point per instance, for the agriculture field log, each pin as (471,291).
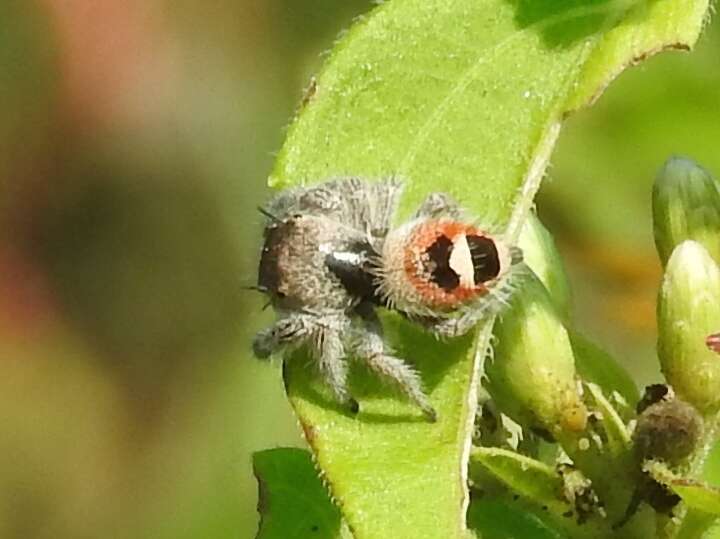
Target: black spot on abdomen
(485,258)
(439,268)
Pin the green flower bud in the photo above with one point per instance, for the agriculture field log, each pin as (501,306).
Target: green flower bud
(689,311)
(541,255)
(532,376)
(686,205)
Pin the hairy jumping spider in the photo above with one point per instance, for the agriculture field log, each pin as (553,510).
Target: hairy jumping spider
(330,258)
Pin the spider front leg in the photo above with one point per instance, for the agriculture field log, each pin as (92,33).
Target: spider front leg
(323,334)
(331,360)
(438,205)
(287,331)
(369,347)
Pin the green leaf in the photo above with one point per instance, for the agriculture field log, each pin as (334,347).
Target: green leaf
(502,519)
(292,501)
(597,366)
(464,97)
(649,27)
(616,434)
(386,460)
(559,496)
(696,494)
(528,477)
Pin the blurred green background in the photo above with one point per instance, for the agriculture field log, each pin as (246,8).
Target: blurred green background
(135,139)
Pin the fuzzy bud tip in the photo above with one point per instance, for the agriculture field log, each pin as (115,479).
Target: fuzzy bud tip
(686,205)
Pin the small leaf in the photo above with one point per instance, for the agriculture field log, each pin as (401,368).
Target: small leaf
(696,494)
(597,366)
(613,427)
(501,519)
(528,477)
(292,502)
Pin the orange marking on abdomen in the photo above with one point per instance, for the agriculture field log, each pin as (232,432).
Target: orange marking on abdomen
(420,240)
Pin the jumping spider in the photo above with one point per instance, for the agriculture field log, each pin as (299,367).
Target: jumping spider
(330,258)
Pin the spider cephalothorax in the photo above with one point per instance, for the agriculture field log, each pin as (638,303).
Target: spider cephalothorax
(330,258)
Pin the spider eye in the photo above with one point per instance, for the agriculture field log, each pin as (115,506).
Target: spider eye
(485,258)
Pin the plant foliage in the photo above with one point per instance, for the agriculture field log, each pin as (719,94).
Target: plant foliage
(464,97)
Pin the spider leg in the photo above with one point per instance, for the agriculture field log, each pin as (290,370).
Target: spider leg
(323,334)
(369,347)
(287,331)
(334,368)
(438,205)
